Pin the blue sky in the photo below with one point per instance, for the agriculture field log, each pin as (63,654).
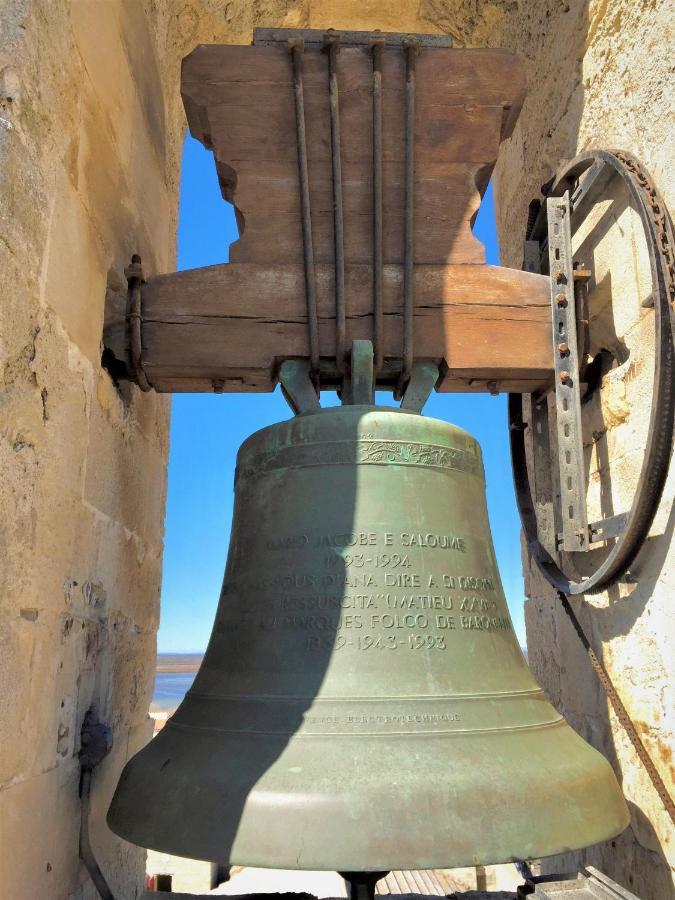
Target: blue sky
(206,431)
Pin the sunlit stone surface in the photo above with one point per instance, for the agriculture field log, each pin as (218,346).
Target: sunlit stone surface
(91,125)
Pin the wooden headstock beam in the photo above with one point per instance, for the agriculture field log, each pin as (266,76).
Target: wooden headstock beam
(228,328)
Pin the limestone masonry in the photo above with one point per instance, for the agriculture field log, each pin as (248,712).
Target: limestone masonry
(91,131)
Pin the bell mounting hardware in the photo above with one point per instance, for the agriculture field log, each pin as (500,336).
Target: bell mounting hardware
(363,704)
(553,513)
(363,663)
(356,163)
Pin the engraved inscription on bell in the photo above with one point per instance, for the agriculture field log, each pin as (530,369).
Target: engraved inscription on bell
(363,703)
(364,587)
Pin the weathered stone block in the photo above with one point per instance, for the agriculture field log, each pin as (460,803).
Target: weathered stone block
(91,128)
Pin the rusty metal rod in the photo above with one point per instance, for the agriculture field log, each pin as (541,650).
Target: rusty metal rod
(297,48)
(86,851)
(411,50)
(332,45)
(378,259)
(621,711)
(95,744)
(134,274)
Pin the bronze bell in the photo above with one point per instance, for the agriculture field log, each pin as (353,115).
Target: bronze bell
(363,703)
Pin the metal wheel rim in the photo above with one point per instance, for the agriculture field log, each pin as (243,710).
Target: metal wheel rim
(656,459)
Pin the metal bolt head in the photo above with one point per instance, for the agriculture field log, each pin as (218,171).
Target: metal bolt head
(565,377)
(563,348)
(560,299)
(559,276)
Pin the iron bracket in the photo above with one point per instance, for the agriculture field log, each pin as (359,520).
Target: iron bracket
(423,379)
(566,362)
(359,386)
(134,275)
(553,509)
(297,387)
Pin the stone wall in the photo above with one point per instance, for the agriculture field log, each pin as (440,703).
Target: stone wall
(599,79)
(91,126)
(86,177)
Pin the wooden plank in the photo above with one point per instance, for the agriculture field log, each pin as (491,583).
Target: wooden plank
(491,77)
(249,383)
(240,102)
(479,344)
(437,184)
(253,108)
(227,289)
(228,328)
(480,323)
(264,119)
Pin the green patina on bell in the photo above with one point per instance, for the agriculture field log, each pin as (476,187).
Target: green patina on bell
(363,703)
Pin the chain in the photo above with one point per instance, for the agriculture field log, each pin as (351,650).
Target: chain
(661,220)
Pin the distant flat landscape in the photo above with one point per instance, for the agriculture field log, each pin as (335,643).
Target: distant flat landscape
(178,662)
(173,678)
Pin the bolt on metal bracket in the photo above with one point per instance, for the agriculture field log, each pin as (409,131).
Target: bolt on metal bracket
(566,357)
(580,186)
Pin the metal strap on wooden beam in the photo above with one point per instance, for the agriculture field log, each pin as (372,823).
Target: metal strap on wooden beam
(378,257)
(134,276)
(568,396)
(332,47)
(411,50)
(296,48)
